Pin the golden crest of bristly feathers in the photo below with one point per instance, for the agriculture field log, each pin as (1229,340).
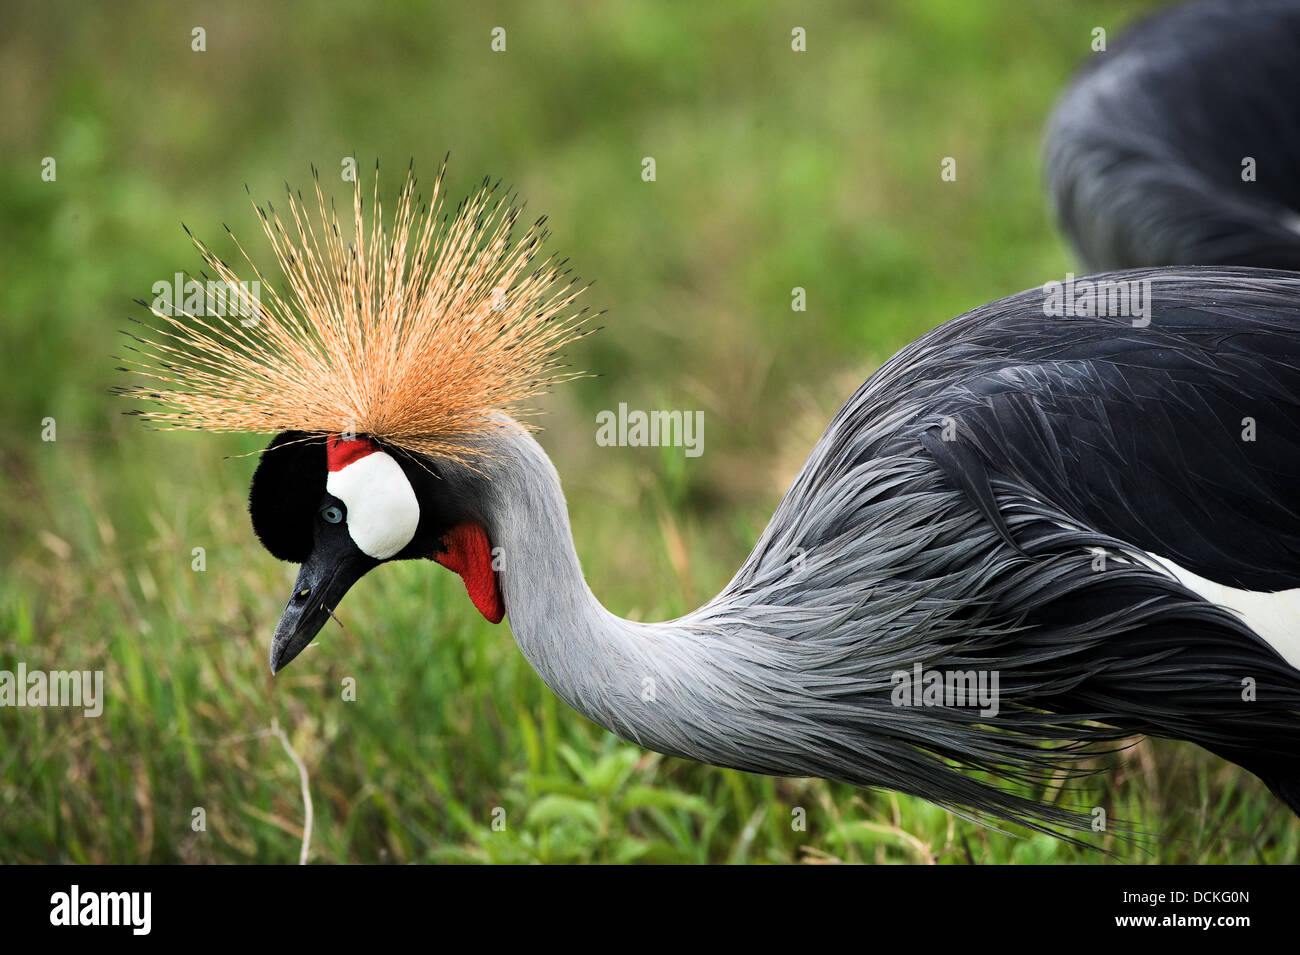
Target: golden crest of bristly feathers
(414,335)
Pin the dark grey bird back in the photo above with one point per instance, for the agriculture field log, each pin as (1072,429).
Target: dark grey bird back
(1151,151)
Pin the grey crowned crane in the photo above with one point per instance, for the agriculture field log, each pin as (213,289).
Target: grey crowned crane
(1180,145)
(1065,505)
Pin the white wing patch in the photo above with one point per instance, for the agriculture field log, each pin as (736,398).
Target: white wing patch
(1275,617)
(382,510)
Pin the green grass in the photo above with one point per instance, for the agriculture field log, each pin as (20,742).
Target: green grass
(775,170)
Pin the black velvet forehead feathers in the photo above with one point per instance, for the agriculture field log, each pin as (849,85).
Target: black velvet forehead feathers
(287,489)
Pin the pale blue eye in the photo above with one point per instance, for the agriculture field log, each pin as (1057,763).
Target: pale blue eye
(333,514)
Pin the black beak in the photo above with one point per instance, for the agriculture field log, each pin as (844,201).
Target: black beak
(323,580)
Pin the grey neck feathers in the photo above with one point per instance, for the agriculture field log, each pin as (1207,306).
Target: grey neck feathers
(716,685)
(607,668)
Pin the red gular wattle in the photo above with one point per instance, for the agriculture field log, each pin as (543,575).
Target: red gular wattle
(469,553)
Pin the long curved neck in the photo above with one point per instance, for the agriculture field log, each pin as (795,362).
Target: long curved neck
(611,670)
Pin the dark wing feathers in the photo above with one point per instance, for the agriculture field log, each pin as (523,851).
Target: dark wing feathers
(1144,151)
(1066,434)
(1181,438)
(1136,434)
(967,470)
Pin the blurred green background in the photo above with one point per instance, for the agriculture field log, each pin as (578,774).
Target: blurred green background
(775,169)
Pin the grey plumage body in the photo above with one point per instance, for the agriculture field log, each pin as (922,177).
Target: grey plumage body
(1179,143)
(882,555)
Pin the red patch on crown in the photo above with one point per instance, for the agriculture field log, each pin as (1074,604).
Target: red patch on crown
(470,555)
(339,453)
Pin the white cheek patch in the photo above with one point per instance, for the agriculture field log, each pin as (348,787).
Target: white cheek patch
(382,510)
